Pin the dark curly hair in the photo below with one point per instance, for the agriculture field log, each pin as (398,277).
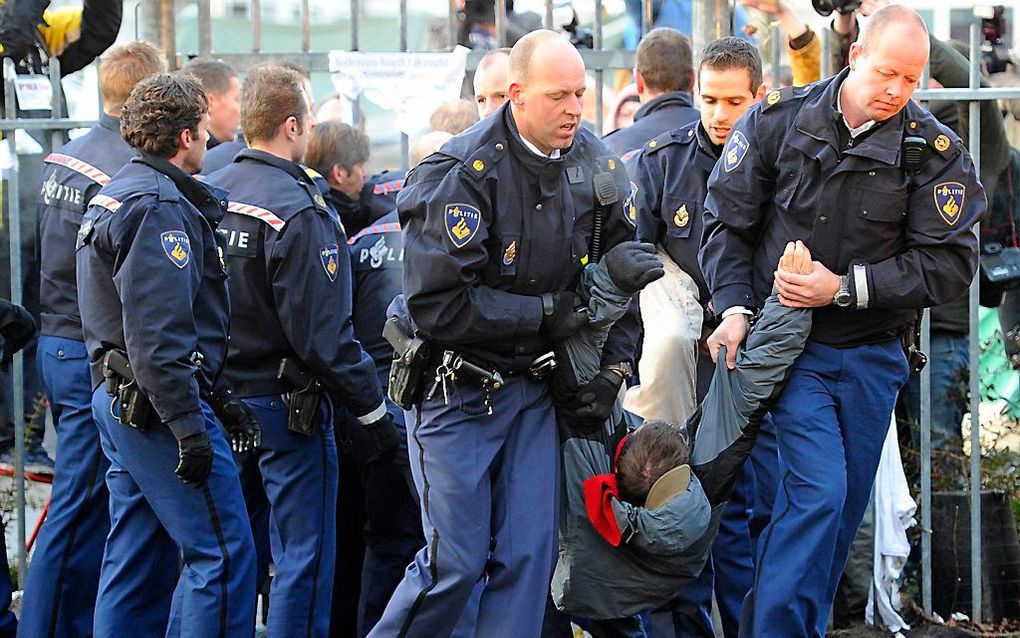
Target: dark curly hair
(159,108)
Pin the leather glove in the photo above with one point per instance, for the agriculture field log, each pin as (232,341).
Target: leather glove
(561,317)
(593,402)
(16,328)
(196,458)
(383,441)
(632,265)
(19,26)
(240,423)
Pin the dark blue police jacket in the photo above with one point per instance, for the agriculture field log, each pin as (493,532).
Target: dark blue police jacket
(782,177)
(290,283)
(222,155)
(74,173)
(490,226)
(377,260)
(660,114)
(669,180)
(151,282)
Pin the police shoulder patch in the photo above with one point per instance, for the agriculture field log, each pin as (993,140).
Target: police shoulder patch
(629,208)
(949,201)
(777,96)
(329,255)
(462,222)
(735,150)
(177,247)
(656,143)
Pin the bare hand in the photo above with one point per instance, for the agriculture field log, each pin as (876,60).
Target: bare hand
(813,290)
(796,259)
(730,333)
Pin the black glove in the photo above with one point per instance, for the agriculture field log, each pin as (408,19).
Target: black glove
(16,327)
(593,403)
(561,317)
(19,26)
(240,422)
(382,435)
(632,265)
(196,455)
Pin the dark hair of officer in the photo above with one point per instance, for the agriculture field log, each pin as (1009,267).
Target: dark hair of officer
(454,117)
(214,74)
(122,67)
(336,144)
(733,53)
(649,452)
(665,61)
(158,109)
(270,95)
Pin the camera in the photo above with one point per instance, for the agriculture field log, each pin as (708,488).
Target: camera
(994,52)
(826,7)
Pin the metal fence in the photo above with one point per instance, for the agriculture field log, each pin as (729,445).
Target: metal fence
(711,19)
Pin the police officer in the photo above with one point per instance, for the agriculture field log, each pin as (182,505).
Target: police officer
(153,299)
(223,88)
(292,346)
(670,181)
(490,81)
(885,197)
(60,592)
(497,226)
(664,74)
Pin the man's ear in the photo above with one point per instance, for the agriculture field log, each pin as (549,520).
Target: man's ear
(185,139)
(515,92)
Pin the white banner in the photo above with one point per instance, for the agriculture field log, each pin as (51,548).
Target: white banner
(413,84)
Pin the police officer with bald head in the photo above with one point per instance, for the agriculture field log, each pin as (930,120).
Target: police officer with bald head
(497,227)
(885,197)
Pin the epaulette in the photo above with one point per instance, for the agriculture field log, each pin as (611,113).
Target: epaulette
(312,173)
(261,214)
(479,163)
(777,96)
(106,202)
(653,145)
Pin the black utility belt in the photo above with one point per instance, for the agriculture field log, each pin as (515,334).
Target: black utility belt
(133,407)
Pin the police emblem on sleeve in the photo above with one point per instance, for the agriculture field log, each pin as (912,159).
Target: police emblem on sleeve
(941,143)
(462,222)
(628,206)
(510,254)
(949,201)
(329,255)
(681,217)
(773,97)
(177,247)
(736,149)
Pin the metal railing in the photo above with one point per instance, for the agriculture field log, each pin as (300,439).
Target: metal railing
(711,16)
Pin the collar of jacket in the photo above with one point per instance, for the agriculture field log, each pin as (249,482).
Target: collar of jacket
(110,122)
(819,117)
(707,150)
(209,200)
(291,168)
(672,99)
(546,169)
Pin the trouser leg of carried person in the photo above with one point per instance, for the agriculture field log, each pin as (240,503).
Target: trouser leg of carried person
(393,529)
(60,592)
(486,481)
(300,476)
(830,441)
(208,524)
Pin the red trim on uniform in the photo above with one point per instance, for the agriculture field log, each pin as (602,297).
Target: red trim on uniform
(262,214)
(388,187)
(78,166)
(106,202)
(375,230)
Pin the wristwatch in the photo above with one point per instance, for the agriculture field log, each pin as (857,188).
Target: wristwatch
(624,369)
(842,297)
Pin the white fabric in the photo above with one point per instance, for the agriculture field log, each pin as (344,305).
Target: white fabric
(854,131)
(672,318)
(534,149)
(894,514)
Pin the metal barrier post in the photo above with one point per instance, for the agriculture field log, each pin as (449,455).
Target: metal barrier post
(975,385)
(404,142)
(256,26)
(14,216)
(600,123)
(646,16)
(204,28)
(168,32)
(926,465)
(501,23)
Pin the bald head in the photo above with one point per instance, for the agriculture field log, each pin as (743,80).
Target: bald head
(889,19)
(491,81)
(427,145)
(533,49)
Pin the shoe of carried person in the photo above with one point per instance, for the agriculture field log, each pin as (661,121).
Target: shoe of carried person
(37,461)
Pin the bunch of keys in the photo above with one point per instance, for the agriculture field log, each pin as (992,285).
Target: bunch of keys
(443,372)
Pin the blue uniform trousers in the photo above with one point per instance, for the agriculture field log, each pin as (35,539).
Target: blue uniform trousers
(299,474)
(60,593)
(155,519)
(8,621)
(831,421)
(489,490)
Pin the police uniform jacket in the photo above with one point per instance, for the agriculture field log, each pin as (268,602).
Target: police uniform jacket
(73,174)
(656,116)
(377,261)
(669,181)
(151,282)
(385,187)
(290,284)
(783,177)
(222,155)
(490,226)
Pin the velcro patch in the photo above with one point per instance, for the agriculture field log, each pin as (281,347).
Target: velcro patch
(462,222)
(177,247)
(329,254)
(949,201)
(736,149)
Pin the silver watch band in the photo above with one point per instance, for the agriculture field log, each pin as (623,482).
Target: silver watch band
(861,286)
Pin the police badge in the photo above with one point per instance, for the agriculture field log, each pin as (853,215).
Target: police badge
(462,222)
(177,247)
(949,201)
(736,149)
